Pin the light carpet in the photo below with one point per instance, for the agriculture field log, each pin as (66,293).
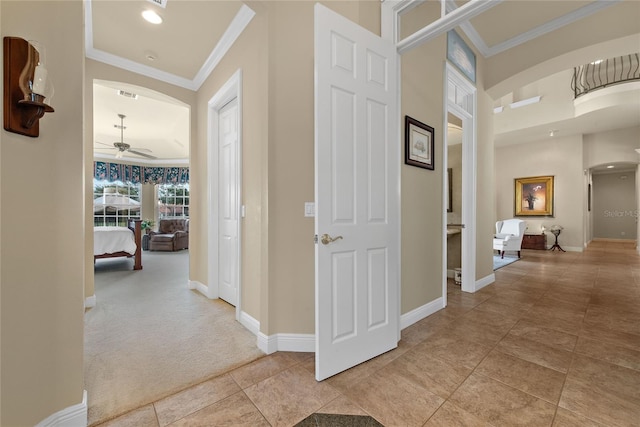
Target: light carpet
(149,336)
(501,262)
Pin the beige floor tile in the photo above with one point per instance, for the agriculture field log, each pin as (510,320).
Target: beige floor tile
(618,355)
(143,417)
(600,333)
(525,376)
(495,306)
(533,332)
(480,333)
(450,415)
(603,392)
(614,317)
(341,405)
(262,368)
(536,352)
(195,398)
(501,405)
(433,374)
(455,351)
(234,411)
(393,400)
(565,418)
(290,396)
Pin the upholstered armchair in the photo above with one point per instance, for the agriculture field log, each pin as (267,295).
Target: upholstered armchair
(508,237)
(172,235)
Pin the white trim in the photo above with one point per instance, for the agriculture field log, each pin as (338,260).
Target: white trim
(73,416)
(249,322)
(90,302)
(237,26)
(528,101)
(467,114)
(548,27)
(450,21)
(421,312)
(232,89)
(235,29)
(305,343)
(200,287)
(485,281)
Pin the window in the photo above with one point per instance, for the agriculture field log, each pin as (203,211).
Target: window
(114,203)
(173,201)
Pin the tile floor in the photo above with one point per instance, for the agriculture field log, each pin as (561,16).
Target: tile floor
(554,341)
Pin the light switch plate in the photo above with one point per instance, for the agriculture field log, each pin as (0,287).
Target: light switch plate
(309,209)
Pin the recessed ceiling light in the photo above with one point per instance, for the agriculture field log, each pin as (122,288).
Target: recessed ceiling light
(151,56)
(610,167)
(151,16)
(596,62)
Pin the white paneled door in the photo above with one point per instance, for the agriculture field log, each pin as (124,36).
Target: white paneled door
(357,160)
(228,203)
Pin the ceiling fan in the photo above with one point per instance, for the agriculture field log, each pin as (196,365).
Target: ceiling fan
(121,146)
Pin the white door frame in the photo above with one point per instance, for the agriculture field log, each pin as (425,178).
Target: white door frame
(391,12)
(230,90)
(460,100)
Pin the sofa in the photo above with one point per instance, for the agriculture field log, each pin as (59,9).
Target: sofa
(172,235)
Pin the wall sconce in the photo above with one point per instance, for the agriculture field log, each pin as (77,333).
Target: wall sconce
(27,88)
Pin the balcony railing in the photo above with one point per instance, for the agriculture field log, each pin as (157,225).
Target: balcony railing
(608,72)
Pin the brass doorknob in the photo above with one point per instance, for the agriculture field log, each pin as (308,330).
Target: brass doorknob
(326,239)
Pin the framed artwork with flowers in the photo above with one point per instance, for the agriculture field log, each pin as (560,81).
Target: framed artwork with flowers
(534,196)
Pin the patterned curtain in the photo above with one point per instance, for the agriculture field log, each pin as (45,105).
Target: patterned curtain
(140,174)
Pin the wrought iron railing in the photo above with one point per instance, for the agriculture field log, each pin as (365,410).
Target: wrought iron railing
(604,73)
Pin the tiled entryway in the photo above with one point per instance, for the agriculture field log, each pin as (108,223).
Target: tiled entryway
(554,341)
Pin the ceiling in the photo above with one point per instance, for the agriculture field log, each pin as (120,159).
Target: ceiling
(167,52)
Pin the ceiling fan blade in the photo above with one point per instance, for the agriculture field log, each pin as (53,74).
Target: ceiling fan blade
(102,143)
(103,148)
(140,149)
(148,156)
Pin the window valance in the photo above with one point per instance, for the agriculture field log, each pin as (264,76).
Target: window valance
(140,174)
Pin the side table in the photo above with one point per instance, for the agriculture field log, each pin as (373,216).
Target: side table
(556,245)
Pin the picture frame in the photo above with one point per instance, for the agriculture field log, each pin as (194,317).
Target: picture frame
(533,196)
(461,55)
(419,144)
(589,197)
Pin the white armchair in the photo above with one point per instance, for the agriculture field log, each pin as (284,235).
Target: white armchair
(509,234)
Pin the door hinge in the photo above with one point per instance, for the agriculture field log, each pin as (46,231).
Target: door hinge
(315,239)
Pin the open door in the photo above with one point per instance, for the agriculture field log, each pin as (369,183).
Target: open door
(357,160)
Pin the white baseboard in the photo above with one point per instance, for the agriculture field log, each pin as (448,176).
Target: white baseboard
(421,312)
(200,287)
(250,323)
(287,342)
(90,302)
(487,280)
(73,416)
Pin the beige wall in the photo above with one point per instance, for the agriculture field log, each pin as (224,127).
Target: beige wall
(560,157)
(611,147)
(42,187)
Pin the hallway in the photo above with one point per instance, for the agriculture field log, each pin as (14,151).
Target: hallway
(554,341)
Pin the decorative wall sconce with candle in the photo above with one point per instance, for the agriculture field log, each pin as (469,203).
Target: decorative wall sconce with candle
(27,87)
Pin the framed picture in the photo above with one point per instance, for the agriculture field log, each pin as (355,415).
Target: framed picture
(534,196)
(589,197)
(460,55)
(418,144)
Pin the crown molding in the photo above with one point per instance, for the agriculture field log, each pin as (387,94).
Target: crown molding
(235,29)
(536,32)
(237,26)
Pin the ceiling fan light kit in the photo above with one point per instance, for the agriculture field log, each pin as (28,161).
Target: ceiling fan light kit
(121,146)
